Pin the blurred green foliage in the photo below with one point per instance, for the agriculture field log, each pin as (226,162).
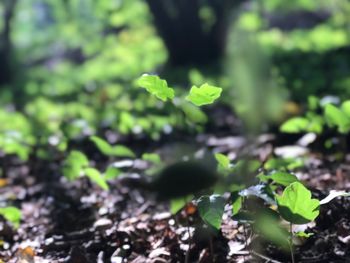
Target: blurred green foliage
(77,67)
(76,64)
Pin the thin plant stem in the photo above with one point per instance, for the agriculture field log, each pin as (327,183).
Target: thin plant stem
(267,259)
(245,232)
(291,242)
(211,249)
(187,257)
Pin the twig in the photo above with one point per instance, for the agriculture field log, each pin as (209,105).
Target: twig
(211,249)
(265,257)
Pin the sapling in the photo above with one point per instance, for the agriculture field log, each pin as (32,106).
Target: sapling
(77,165)
(112,150)
(296,206)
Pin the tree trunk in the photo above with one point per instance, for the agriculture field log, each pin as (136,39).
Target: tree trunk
(6,74)
(187,39)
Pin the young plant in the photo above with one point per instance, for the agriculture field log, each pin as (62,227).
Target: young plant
(112,151)
(332,116)
(190,106)
(297,207)
(11,214)
(77,165)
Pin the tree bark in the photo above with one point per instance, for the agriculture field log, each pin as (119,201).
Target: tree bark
(6,72)
(179,24)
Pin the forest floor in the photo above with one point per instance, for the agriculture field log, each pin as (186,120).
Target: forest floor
(78,222)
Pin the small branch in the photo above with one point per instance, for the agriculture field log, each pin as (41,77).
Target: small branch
(265,257)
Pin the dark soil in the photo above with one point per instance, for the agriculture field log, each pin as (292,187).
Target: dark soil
(77,222)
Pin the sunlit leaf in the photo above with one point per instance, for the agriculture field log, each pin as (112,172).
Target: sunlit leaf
(177,204)
(295,125)
(223,160)
(303,234)
(73,165)
(11,214)
(96,177)
(122,151)
(296,205)
(102,145)
(109,150)
(283,163)
(156,86)
(151,157)
(111,173)
(205,94)
(346,108)
(193,113)
(281,178)
(336,117)
(237,201)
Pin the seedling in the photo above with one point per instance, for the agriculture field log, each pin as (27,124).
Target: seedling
(333,116)
(77,165)
(204,95)
(297,207)
(11,214)
(211,209)
(109,150)
(156,86)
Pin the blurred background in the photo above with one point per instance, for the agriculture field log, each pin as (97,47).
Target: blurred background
(68,67)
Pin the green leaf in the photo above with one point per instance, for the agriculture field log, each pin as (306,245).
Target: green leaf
(243,167)
(177,204)
(283,163)
(313,103)
(204,95)
(270,229)
(122,151)
(109,150)
(295,125)
(211,209)
(102,145)
(11,214)
(156,86)
(303,234)
(151,157)
(96,177)
(73,165)
(223,160)
(237,202)
(193,113)
(111,173)
(346,108)
(336,117)
(282,178)
(296,205)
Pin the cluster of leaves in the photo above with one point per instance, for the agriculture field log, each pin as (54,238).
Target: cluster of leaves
(284,196)
(77,164)
(300,53)
(63,102)
(295,205)
(320,116)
